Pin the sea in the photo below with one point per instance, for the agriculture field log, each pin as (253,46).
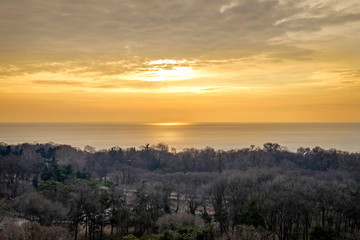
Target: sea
(179,136)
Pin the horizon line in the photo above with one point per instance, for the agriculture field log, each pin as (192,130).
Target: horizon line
(172,123)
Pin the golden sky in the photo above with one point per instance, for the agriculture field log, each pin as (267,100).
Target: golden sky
(180,61)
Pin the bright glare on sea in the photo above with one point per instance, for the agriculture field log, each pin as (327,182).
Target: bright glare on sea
(342,136)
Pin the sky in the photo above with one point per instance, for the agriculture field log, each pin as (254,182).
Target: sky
(180,61)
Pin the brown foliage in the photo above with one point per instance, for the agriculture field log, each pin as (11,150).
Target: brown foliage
(171,221)
(34,231)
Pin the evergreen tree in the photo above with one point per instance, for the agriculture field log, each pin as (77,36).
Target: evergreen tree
(252,216)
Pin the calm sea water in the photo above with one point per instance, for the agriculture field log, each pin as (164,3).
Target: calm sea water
(342,136)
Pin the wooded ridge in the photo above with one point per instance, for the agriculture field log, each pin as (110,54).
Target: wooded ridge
(152,192)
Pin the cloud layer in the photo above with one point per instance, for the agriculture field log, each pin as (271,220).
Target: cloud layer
(163,29)
(229,47)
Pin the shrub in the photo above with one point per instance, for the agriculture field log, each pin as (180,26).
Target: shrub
(319,233)
(34,231)
(172,221)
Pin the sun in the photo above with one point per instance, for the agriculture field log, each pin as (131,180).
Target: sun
(167,70)
(177,73)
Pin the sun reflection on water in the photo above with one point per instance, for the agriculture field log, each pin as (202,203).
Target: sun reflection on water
(168,124)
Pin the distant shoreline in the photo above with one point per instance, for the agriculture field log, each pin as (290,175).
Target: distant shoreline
(174,150)
(224,136)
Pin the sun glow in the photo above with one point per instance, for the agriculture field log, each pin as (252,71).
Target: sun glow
(167,70)
(177,73)
(163,74)
(167,61)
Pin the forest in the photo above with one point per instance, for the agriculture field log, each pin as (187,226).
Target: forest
(153,192)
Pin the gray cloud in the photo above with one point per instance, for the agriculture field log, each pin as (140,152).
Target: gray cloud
(57,82)
(75,30)
(348,73)
(111,84)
